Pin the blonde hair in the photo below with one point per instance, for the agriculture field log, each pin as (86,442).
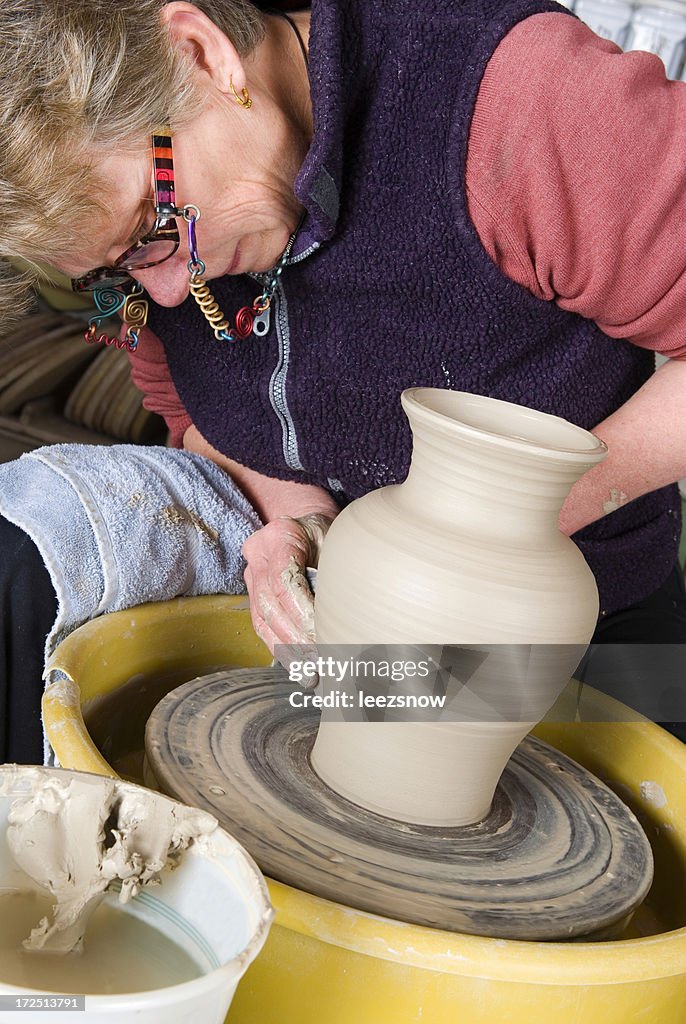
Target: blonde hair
(78,77)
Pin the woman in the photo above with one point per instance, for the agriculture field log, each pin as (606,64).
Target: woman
(470,195)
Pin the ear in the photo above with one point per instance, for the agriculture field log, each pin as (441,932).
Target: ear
(205,43)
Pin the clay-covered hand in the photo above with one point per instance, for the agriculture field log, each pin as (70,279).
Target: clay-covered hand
(281,601)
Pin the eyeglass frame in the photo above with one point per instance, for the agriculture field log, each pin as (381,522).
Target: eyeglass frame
(164,228)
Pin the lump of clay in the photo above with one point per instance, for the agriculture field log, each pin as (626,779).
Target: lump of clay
(75,837)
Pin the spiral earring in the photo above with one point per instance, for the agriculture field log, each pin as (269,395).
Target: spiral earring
(244,98)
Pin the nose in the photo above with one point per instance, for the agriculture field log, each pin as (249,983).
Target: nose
(167,283)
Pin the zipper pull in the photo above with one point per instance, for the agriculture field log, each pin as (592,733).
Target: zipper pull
(261,323)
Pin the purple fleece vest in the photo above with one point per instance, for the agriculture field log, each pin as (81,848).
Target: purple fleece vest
(389,287)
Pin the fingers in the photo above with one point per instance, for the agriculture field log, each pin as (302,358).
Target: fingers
(315,527)
(282,604)
(271,625)
(264,632)
(296,598)
(284,625)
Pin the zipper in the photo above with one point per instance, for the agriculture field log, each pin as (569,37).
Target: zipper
(262,321)
(304,254)
(277,382)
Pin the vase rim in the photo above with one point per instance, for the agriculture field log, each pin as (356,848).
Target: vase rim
(473,415)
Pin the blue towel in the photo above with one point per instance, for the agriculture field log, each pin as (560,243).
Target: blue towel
(119,526)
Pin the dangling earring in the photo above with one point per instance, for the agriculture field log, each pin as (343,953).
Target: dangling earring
(244,98)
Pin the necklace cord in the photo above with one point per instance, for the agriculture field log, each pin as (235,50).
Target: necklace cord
(245,317)
(244,321)
(301,41)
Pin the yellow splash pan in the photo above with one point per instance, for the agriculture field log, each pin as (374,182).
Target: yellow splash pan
(324,962)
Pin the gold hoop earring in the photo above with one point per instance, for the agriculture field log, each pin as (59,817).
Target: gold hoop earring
(244,98)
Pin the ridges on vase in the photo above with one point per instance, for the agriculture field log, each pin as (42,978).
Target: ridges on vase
(464,553)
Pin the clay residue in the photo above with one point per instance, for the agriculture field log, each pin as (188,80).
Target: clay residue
(653,793)
(62,690)
(137,500)
(177,515)
(616,499)
(566,875)
(295,583)
(75,838)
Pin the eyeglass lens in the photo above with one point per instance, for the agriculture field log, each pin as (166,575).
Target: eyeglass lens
(150,253)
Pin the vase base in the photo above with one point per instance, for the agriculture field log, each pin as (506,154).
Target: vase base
(559,856)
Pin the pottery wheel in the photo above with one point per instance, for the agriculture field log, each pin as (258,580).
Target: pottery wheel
(558,856)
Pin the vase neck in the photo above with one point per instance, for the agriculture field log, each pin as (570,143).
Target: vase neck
(500,484)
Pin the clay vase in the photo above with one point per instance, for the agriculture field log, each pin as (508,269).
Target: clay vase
(464,563)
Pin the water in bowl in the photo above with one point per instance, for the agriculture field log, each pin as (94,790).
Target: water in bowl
(121,954)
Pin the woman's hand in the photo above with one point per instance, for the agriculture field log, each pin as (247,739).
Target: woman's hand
(297,517)
(281,601)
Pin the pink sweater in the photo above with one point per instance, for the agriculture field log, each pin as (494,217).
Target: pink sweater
(576,182)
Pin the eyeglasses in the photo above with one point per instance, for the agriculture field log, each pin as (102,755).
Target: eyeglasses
(158,244)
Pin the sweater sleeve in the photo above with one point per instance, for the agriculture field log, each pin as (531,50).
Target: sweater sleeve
(576,178)
(150,374)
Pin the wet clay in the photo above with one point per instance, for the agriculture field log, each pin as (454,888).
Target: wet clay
(75,838)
